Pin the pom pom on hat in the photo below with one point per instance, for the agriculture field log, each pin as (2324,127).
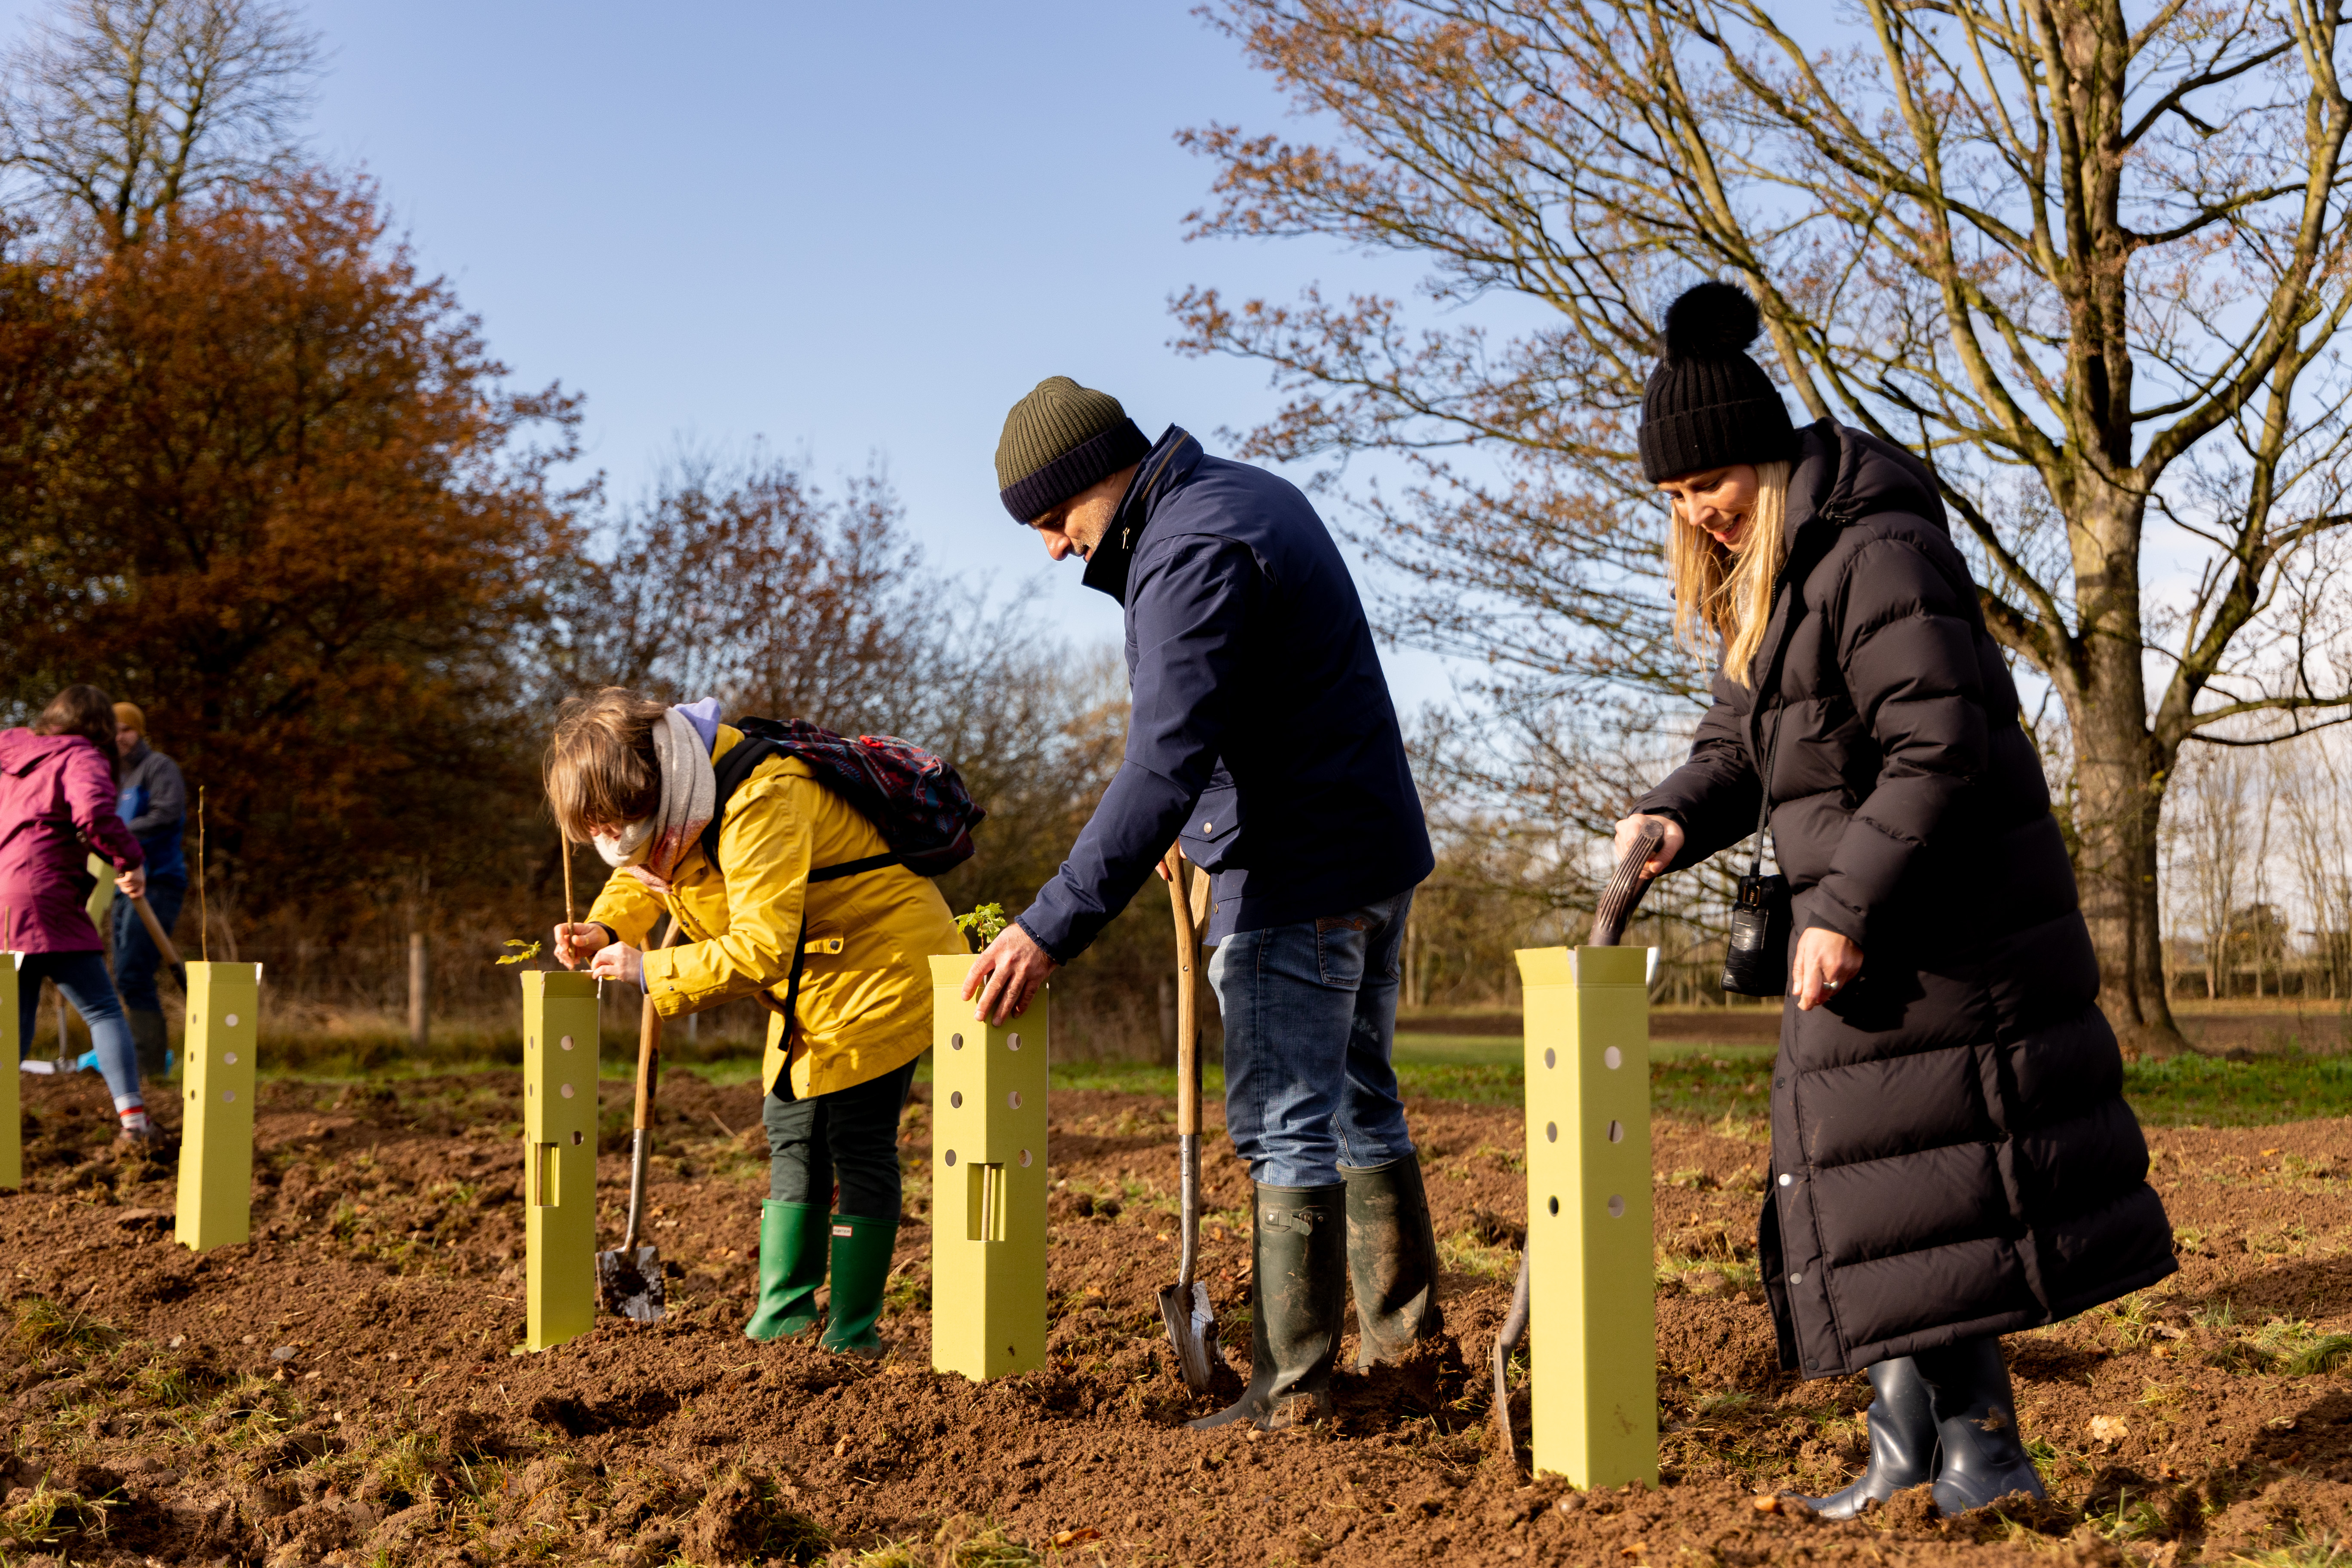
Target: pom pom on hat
(1712,321)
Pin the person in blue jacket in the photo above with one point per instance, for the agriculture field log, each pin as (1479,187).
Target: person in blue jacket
(155,807)
(1262,738)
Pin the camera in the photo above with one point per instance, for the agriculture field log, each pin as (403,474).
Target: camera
(1757,963)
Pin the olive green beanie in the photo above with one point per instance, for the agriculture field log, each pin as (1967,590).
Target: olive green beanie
(1059,440)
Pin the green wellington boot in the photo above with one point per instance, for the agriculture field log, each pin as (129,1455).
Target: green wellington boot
(792,1266)
(861,1267)
(1392,1259)
(1298,1297)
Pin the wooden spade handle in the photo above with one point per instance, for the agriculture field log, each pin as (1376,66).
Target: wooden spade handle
(156,932)
(649,1033)
(1188,1017)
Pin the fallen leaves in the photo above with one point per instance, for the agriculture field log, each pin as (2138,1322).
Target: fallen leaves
(2108,1429)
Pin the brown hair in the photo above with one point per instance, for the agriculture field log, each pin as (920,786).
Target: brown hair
(86,711)
(601,771)
(1723,597)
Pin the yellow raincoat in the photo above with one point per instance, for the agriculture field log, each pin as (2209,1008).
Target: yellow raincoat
(866,981)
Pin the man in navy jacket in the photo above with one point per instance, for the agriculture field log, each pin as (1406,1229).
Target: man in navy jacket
(1262,740)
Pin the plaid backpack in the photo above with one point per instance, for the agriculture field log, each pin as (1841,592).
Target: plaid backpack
(916,801)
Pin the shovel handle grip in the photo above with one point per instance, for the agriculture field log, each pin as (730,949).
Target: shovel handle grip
(1187,1016)
(1625,889)
(155,931)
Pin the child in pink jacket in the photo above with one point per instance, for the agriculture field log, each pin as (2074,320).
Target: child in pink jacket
(56,809)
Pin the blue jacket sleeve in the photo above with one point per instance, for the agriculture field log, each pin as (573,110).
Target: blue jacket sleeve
(1188,611)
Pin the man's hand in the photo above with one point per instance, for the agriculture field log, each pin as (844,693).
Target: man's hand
(1668,847)
(131,884)
(619,961)
(575,944)
(1004,978)
(1825,962)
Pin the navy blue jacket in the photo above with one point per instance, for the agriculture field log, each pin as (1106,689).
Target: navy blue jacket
(1262,725)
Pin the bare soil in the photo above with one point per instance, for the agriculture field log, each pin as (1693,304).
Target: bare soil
(343,1389)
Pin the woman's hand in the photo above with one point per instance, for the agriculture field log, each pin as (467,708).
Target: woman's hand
(619,961)
(1668,847)
(1825,962)
(131,884)
(575,944)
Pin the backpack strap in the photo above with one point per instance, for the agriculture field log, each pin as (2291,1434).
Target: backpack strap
(732,770)
(736,767)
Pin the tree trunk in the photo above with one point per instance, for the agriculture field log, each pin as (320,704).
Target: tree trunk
(2118,799)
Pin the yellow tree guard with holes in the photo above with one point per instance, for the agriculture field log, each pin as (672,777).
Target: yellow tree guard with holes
(1592,1318)
(215,1207)
(988,1183)
(559,1149)
(11,1119)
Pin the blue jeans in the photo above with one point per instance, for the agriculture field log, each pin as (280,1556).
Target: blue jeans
(82,977)
(1310,1020)
(135,955)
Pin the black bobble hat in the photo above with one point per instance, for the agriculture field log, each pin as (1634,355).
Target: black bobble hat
(1708,405)
(1059,440)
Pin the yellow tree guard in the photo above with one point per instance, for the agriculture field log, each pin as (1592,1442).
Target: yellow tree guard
(558,1148)
(11,1119)
(100,903)
(215,1207)
(988,1183)
(1593,1318)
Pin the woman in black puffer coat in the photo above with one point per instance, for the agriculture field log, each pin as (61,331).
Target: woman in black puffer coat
(1952,1158)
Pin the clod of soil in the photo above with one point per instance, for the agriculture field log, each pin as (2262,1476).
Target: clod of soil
(343,1389)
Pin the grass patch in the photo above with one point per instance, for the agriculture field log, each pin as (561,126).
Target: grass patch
(2324,1550)
(50,1517)
(2211,1091)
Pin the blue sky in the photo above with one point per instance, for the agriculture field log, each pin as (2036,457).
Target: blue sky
(856,231)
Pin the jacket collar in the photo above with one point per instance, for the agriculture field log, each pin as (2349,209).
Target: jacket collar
(136,755)
(1169,462)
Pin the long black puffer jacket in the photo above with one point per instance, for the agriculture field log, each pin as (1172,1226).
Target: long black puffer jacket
(1952,1153)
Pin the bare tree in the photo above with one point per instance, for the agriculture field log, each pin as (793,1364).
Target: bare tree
(2094,268)
(2213,865)
(2310,791)
(120,110)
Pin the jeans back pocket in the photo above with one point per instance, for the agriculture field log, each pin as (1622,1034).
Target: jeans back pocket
(1340,943)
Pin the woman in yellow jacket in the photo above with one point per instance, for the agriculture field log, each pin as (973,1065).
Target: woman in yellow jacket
(637,780)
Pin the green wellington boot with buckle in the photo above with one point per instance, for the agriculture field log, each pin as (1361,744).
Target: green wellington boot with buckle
(792,1266)
(1298,1298)
(861,1267)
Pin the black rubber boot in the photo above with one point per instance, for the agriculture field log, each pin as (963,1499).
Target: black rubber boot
(1392,1259)
(1983,1459)
(792,1266)
(1298,1296)
(152,1038)
(1902,1442)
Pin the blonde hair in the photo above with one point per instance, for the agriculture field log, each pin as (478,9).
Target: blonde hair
(599,766)
(1724,598)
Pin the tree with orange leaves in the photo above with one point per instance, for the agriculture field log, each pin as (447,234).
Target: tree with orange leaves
(264,477)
